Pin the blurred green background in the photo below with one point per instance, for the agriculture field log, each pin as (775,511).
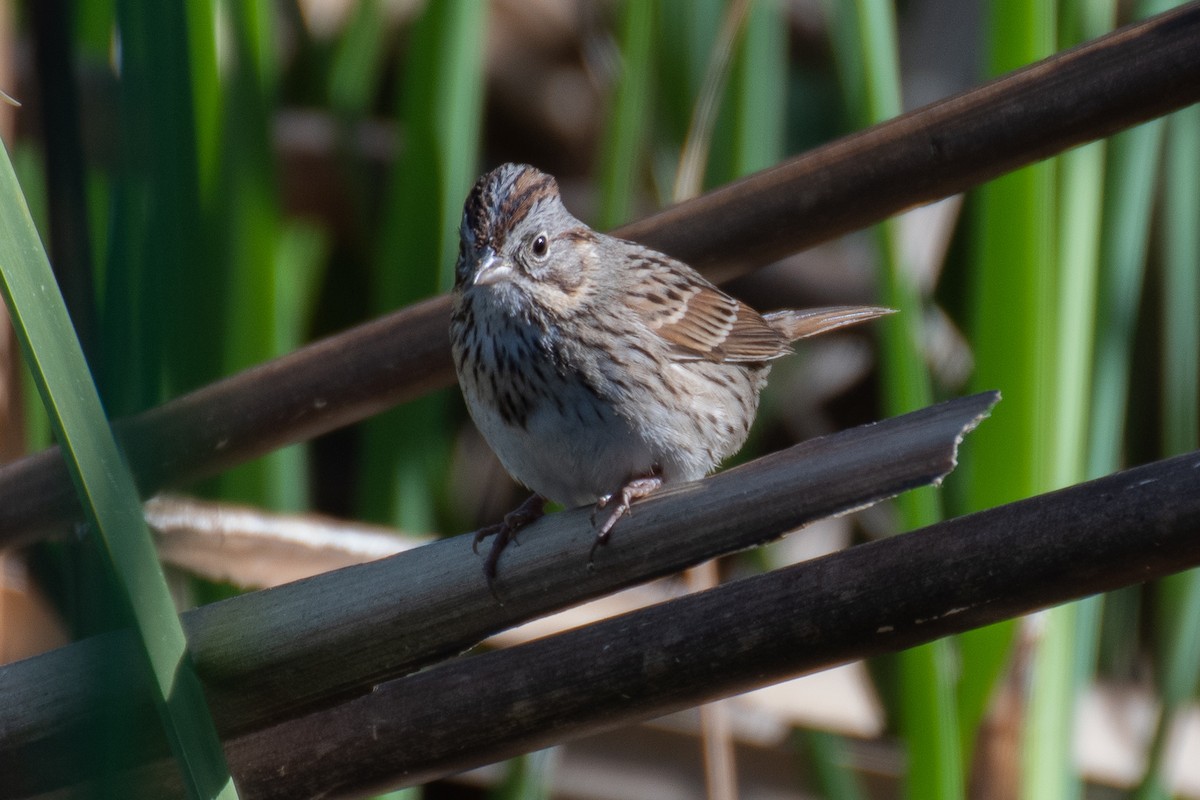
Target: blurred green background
(221,181)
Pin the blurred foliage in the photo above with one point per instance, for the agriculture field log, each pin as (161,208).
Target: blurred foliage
(254,174)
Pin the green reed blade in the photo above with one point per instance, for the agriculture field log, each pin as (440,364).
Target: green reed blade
(106,490)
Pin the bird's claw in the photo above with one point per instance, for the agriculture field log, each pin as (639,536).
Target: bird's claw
(483,533)
(631,491)
(505,531)
(600,504)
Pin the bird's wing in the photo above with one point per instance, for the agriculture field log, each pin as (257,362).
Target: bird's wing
(699,321)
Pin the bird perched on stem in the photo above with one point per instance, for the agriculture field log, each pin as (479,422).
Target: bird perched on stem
(598,369)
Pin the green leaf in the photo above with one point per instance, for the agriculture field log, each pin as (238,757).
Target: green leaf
(627,122)
(106,490)
(442,98)
(1011,322)
(1179,595)
(868,64)
(834,777)
(750,131)
(353,76)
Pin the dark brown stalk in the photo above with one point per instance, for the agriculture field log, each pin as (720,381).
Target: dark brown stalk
(272,655)
(882,597)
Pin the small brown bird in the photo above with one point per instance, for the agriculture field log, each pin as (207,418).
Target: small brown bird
(598,369)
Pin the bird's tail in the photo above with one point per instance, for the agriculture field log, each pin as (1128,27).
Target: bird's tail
(801,324)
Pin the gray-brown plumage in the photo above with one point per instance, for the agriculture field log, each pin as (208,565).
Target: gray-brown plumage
(596,367)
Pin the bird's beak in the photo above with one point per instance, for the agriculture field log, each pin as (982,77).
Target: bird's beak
(492,269)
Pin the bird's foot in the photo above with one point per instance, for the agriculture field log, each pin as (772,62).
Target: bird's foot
(505,531)
(633,490)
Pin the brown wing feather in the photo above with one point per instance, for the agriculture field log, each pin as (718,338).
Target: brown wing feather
(702,322)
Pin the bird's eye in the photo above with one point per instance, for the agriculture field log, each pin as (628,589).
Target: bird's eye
(539,246)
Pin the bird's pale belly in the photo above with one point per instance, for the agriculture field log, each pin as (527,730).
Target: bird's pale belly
(573,449)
